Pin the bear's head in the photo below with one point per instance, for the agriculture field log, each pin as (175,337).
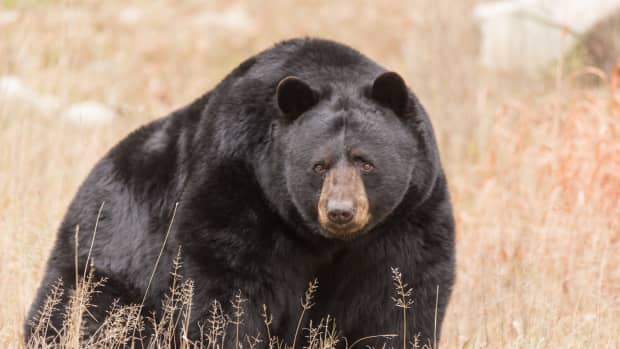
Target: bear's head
(352,152)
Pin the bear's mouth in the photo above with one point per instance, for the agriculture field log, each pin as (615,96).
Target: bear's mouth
(347,232)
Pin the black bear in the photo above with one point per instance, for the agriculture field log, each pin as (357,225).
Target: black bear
(309,160)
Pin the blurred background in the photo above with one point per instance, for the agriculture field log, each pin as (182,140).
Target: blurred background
(523,96)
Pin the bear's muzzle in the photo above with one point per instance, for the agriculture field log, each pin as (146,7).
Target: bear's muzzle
(343,203)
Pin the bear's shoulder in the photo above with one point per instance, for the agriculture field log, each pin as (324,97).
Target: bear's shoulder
(148,154)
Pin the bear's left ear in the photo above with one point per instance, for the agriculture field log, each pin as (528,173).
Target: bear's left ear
(295,96)
(390,90)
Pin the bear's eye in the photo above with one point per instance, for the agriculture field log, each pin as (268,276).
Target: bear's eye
(366,167)
(319,168)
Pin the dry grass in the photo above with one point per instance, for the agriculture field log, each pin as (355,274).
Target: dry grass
(535,176)
(539,228)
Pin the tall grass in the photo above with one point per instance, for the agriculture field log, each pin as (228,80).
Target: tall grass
(124,326)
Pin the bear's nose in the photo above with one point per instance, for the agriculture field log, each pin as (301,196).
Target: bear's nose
(340,212)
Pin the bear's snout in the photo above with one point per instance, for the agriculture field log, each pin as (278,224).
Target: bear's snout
(340,211)
(343,203)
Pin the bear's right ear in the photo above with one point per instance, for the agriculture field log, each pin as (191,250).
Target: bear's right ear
(390,90)
(295,96)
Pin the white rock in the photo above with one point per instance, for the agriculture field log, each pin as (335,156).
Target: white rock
(234,18)
(8,17)
(528,35)
(89,113)
(15,94)
(130,15)
(11,87)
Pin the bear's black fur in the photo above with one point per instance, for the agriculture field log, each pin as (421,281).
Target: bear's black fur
(240,162)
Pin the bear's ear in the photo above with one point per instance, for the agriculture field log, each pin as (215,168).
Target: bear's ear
(295,96)
(390,90)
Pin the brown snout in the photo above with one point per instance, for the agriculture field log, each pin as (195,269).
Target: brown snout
(343,204)
(340,211)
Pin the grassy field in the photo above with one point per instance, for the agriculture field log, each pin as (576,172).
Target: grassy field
(534,168)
